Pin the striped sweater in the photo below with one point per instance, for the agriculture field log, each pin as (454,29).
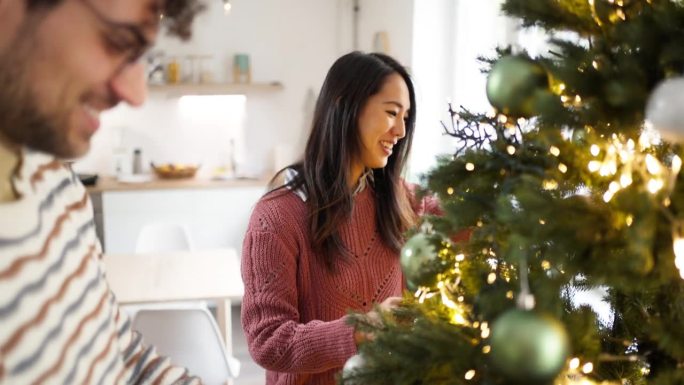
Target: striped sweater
(59,320)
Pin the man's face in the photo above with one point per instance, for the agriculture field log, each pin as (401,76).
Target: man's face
(61,66)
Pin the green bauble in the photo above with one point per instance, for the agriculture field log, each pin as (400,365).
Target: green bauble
(513,85)
(420,259)
(528,347)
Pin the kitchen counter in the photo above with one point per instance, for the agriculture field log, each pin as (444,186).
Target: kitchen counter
(215,212)
(110,183)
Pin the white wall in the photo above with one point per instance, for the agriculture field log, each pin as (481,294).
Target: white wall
(293,42)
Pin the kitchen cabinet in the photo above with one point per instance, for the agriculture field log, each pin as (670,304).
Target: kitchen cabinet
(216,213)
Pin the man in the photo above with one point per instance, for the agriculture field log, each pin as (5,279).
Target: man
(62,62)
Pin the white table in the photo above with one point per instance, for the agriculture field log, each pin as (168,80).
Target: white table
(179,276)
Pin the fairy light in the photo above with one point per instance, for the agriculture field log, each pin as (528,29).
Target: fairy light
(542,222)
(652,165)
(654,185)
(678,245)
(491,278)
(469,166)
(546,265)
(555,151)
(549,184)
(574,363)
(625,179)
(450,191)
(460,257)
(470,375)
(595,150)
(510,150)
(485,333)
(587,368)
(486,349)
(676,164)
(629,220)
(595,64)
(509,294)
(594,165)
(562,168)
(607,196)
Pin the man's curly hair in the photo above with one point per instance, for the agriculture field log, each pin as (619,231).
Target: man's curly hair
(178,14)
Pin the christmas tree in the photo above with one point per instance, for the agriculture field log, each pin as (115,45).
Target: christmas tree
(571,185)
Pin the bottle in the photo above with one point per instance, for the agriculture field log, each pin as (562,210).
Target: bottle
(137,161)
(173,71)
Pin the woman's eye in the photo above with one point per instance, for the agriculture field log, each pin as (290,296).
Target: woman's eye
(392,113)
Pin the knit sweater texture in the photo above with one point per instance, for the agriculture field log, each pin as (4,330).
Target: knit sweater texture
(294,309)
(59,320)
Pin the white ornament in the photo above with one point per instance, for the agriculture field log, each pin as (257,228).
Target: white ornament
(665,109)
(350,368)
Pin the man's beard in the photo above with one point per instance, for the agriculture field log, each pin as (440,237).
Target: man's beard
(21,119)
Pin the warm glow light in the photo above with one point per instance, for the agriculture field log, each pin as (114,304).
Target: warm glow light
(470,166)
(654,185)
(550,184)
(587,368)
(555,151)
(594,165)
(469,375)
(510,150)
(450,190)
(653,165)
(678,246)
(574,363)
(676,164)
(595,150)
(491,278)
(562,168)
(625,180)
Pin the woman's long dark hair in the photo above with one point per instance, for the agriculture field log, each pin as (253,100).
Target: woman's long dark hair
(335,141)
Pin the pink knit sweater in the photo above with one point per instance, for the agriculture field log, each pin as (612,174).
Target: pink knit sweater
(294,309)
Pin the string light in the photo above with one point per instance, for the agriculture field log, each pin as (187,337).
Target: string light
(469,375)
(469,166)
(678,245)
(555,151)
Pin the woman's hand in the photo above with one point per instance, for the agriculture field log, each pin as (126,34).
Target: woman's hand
(373,317)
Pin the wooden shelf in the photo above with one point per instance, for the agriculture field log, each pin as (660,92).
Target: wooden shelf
(175,90)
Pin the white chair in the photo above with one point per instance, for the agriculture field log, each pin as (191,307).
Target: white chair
(160,237)
(191,339)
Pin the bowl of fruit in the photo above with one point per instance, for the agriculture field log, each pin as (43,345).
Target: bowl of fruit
(174,170)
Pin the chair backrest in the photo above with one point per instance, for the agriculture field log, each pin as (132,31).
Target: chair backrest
(191,339)
(160,237)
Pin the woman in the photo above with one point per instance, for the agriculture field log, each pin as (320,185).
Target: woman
(328,240)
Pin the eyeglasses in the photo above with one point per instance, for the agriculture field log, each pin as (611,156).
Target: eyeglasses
(125,38)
